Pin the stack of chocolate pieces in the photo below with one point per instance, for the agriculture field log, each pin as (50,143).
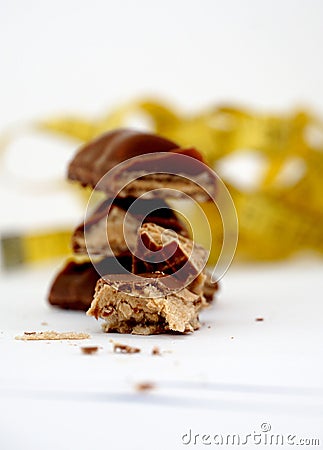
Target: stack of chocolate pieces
(142,273)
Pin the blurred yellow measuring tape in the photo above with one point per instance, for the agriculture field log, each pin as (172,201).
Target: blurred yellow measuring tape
(278,217)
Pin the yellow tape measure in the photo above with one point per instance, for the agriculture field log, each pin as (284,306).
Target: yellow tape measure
(19,249)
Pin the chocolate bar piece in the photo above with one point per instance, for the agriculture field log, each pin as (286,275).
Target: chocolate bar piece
(150,304)
(169,168)
(176,174)
(99,156)
(109,219)
(74,285)
(163,250)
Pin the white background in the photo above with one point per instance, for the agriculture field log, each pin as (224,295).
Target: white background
(86,57)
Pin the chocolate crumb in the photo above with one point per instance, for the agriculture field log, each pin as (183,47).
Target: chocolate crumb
(122,348)
(156,351)
(209,326)
(146,386)
(29,333)
(232,337)
(259,319)
(89,350)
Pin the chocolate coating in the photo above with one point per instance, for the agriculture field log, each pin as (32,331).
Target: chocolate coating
(74,285)
(161,250)
(96,158)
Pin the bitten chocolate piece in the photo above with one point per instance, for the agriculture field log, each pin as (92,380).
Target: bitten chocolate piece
(163,250)
(74,285)
(170,170)
(109,220)
(150,305)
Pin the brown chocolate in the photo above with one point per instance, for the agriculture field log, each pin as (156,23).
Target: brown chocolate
(180,171)
(74,285)
(156,351)
(99,156)
(160,249)
(186,253)
(109,219)
(171,171)
(145,386)
(123,348)
(89,350)
(159,283)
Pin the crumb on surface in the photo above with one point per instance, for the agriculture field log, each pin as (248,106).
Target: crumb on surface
(259,319)
(145,386)
(51,336)
(44,323)
(89,350)
(156,351)
(123,348)
(209,326)
(232,337)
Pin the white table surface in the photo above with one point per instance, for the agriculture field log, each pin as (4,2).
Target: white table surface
(231,376)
